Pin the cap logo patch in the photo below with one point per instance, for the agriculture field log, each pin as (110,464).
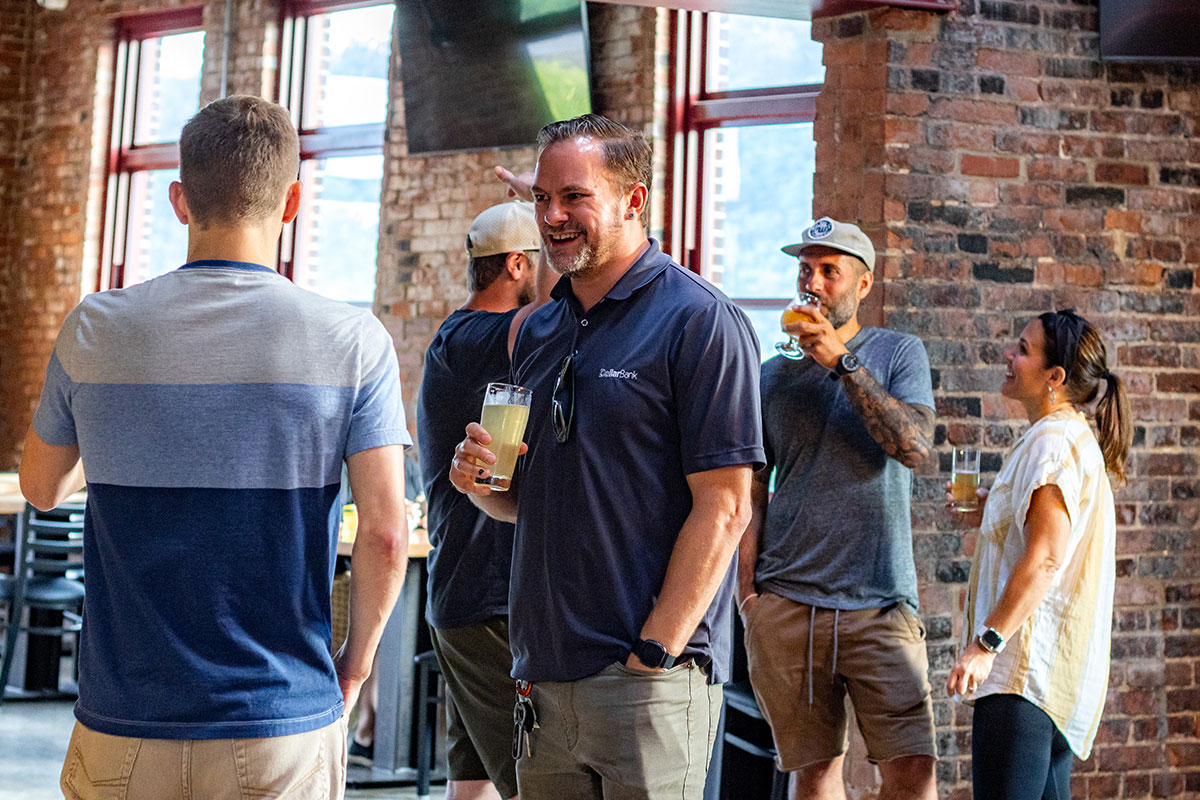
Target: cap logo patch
(820,229)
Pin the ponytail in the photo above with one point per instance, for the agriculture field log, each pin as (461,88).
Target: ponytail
(1074,344)
(1112,426)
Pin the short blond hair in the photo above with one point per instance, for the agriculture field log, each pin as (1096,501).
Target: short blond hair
(237,157)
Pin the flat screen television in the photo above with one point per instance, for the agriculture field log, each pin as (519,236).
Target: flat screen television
(490,73)
(1150,30)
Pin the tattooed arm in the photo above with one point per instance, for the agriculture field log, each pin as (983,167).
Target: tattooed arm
(903,430)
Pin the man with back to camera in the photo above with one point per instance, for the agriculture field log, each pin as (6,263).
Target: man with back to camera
(826,582)
(643,434)
(212,408)
(472,553)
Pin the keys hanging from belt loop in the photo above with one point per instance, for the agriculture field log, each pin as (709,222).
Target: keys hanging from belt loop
(524,720)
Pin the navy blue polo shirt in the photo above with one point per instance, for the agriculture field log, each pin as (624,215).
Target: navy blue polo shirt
(469,563)
(666,384)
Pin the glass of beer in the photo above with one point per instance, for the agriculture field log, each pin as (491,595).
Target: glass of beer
(505,412)
(964,478)
(795,313)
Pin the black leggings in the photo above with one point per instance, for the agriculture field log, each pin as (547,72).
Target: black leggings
(1017,752)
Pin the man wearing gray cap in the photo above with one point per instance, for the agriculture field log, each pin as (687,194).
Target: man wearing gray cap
(471,556)
(827,588)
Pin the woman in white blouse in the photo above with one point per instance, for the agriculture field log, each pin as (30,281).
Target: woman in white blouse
(1038,613)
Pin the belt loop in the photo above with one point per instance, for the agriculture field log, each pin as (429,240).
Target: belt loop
(836,613)
(812,623)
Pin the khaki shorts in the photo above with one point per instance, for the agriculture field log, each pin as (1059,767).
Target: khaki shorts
(476,663)
(877,657)
(303,766)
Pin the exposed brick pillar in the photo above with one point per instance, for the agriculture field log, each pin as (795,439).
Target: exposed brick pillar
(1007,171)
(253,62)
(40,274)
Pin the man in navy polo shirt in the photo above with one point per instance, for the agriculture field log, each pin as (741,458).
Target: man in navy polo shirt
(643,436)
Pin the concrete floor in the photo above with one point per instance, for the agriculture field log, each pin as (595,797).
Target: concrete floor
(33,741)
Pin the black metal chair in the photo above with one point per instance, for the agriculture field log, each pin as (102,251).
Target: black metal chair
(428,700)
(740,703)
(47,577)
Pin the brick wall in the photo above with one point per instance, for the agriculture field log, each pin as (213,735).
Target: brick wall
(14,31)
(1005,170)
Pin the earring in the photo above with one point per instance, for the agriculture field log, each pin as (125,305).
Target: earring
(629,215)
(1053,400)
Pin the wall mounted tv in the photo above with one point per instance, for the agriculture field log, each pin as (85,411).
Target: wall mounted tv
(490,73)
(1150,30)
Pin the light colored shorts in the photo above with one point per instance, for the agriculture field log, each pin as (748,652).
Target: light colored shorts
(303,766)
(476,663)
(877,656)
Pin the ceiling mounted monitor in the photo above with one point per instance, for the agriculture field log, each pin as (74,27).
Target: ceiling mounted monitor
(490,73)
(1150,30)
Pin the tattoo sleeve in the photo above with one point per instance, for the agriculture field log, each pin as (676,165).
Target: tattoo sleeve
(903,430)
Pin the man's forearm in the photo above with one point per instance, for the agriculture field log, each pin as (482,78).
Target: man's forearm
(747,558)
(699,561)
(902,431)
(49,474)
(497,505)
(377,567)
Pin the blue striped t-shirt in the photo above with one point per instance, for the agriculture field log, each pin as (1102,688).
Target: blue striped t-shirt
(213,408)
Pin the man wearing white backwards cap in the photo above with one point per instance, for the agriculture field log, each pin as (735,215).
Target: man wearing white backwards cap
(826,582)
(469,563)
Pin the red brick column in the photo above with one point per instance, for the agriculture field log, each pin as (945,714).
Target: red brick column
(1007,171)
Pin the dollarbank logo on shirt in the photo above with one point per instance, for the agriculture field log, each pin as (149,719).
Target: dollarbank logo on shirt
(618,373)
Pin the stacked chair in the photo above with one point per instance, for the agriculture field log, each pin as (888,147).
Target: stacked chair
(44,595)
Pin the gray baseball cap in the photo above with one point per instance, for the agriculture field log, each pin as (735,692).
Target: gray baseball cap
(505,228)
(844,236)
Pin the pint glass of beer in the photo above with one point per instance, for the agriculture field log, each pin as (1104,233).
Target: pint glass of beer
(964,478)
(505,412)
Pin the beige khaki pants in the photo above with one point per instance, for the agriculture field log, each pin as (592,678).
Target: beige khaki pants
(304,766)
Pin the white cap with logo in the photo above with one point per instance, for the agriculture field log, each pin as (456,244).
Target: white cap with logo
(844,236)
(505,228)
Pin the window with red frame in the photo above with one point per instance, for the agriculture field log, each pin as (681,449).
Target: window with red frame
(156,89)
(334,80)
(742,155)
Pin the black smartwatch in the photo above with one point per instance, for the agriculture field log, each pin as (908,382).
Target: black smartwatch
(653,654)
(846,363)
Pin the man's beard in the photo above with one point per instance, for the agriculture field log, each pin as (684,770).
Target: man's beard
(591,257)
(840,309)
(527,292)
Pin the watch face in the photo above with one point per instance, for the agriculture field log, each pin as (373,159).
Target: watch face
(991,639)
(650,653)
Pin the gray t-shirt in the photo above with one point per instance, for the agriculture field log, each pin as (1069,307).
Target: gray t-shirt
(838,532)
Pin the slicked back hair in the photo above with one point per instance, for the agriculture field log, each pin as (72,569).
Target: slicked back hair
(627,155)
(237,157)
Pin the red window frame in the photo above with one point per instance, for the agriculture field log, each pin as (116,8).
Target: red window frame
(322,142)
(125,158)
(693,110)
